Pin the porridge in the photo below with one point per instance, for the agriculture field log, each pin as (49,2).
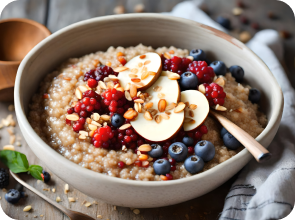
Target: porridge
(141,113)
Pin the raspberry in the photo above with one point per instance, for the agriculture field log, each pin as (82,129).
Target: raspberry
(204,72)
(175,64)
(214,94)
(99,73)
(121,164)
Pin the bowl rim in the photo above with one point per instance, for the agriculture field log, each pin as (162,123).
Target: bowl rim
(41,27)
(23,121)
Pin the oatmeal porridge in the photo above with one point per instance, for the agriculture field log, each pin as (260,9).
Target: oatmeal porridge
(141,113)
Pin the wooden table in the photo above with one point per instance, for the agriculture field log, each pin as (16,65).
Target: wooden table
(57,14)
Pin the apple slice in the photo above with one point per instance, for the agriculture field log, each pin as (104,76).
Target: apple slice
(142,70)
(160,126)
(197,110)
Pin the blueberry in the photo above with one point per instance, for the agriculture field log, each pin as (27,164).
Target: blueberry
(194,164)
(237,72)
(198,55)
(188,141)
(47,176)
(117,120)
(254,95)
(218,67)
(208,61)
(178,151)
(12,196)
(225,22)
(231,142)
(156,151)
(188,81)
(162,167)
(205,150)
(223,131)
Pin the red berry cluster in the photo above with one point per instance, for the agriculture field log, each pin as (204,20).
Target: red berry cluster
(204,72)
(99,73)
(214,94)
(198,133)
(101,137)
(175,64)
(115,101)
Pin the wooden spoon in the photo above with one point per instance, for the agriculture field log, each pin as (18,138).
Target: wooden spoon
(257,150)
(71,214)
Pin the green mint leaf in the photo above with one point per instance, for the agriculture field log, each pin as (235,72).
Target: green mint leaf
(16,161)
(36,171)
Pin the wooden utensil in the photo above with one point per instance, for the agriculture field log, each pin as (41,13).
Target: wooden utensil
(257,150)
(71,214)
(18,36)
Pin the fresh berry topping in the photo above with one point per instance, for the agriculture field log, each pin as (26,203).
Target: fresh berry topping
(204,72)
(12,196)
(214,94)
(4,178)
(176,64)
(70,110)
(223,131)
(188,81)
(230,141)
(225,22)
(92,83)
(178,151)
(190,150)
(99,73)
(157,151)
(237,72)
(188,141)
(219,67)
(198,55)
(46,176)
(203,129)
(117,120)
(194,164)
(101,137)
(121,164)
(205,150)
(169,176)
(254,95)
(162,167)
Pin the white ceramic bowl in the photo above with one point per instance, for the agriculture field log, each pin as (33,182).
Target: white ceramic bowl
(129,30)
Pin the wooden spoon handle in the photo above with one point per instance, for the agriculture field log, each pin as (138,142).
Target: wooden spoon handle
(256,149)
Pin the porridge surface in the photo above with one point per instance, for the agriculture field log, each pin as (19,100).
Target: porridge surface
(48,117)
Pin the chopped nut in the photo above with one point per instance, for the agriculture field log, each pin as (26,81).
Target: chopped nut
(96,123)
(167,55)
(67,188)
(193,106)
(119,9)
(72,117)
(18,143)
(190,57)
(95,202)
(170,106)
(27,208)
(168,113)
(138,101)
(148,116)
(12,139)
(132,75)
(78,93)
(114,78)
(164,178)
(99,216)
(92,127)
(71,199)
(151,73)
(53,190)
(135,80)
(133,91)
(145,147)
(130,114)
(202,89)
(191,113)
(189,120)
(148,105)
(145,75)
(95,116)
(238,110)
(127,87)
(173,76)
(162,105)
(153,112)
(88,204)
(102,85)
(127,96)
(165,116)
(220,108)
(120,69)
(120,89)
(143,157)
(158,118)
(179,107)
(125,126)
(9,147)
(145,163)
(105,117)
(220,81)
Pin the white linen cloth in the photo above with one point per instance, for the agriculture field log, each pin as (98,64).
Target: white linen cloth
(261,191)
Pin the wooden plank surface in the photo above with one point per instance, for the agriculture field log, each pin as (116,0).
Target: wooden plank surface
(65,12)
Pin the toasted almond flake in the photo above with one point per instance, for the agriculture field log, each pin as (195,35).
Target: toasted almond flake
(140,64)
(139,108)
(132,75)
(151,73)
(110,85)
(167,112)
(147,62)
(179,107)
(164,178)
(165,116)
(67,188)
(139,85)
(125,126)
(95,116)
(145,147)
(108,63)
(171,51)
(136,211)
(130,114)
(136,106)
(173,76)
(145,75)
(18,143)
(53,190)
(88,204)
(41,215)
(148,116)
(12,139)
(91,133)
(158,118)
(154,112)
(138,153)
(71,199)
(238,110)
(95,62)
(193,106)
(102,85)
(138,94)
(150,159)
(155,89)
(136,80)
(189,120)
(133,91)
(186,104)
(9,147)
(161,95)
(113,78)
(105,117)
(67,78)
(142,56)
(127,96)
(88,120)
(148,105)
(121,69)
(92,127)
(162,105)
(220,81)
(117,86)
(191,113)
(134,70)
(99,216)
(78,93)
(27,208)
(96,123)
(106,79)
(138,101)
(167,55)
(144,69)
(82,137)
(202,89)
(170,106)
(120,89)
(124,148)
(45,189)
(143,157)
(72,117)
(220,108)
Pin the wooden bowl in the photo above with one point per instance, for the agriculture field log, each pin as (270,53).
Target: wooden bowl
(18,36)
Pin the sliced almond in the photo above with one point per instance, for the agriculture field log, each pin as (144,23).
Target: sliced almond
(130,114)
(173,76)
(140,64)
(92,127)
(125,126)
(83,88)
(165,116)
(202,89)
(72,199)
(102,85)
(167,55)
(170,106)
(88,120)
(145,75)
(27,208)
(95,116)
(158,118)
(91,133)
(117,86)
(161,95)
(220,108)
(148,116)
(139,108)
(113,78)
(238,110)
(83,133)
(144,69)
(136,106)
(67,78)
(72,117)
(193,106)
(127,87)
(134,70)
(220,81)
(138,93)
(190,57)
(145,163)
(132,75)
(133,91)
(127,96)
(138,101)
(106,79)
(9,147)
(179,107)
(167,113)
(121,69)
(142,56)
(105,117)
(146,62)
(110,85)
(151,73)
(145,147)
(139,85)
(82,137)
(143,157)
(189,120)
(154,112)
(96,123)
(78,93)
(148,105)
(162,105)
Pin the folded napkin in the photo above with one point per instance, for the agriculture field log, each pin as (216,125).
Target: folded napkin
(261,191)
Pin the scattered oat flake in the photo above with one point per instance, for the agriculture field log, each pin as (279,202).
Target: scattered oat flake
(27,208)
(71,199)
(136,211)
(99,216)
(53,190)
(58,199)
(67,188)
(88,204)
